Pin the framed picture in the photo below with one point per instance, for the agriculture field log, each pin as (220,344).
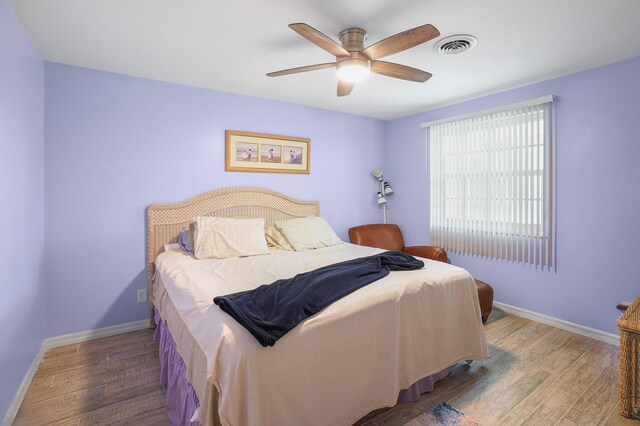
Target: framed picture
(257,152)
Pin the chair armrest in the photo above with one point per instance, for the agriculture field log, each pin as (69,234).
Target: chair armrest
(428,252)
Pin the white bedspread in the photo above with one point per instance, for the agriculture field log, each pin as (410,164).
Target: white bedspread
(335,367)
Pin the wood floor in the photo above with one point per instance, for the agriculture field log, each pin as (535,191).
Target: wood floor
(106,381)
(536,375)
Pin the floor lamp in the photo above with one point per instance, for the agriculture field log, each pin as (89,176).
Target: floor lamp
(385,191)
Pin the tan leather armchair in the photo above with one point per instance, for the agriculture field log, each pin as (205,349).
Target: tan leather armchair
(389,237)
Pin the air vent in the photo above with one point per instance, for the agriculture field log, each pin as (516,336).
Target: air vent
(456,44)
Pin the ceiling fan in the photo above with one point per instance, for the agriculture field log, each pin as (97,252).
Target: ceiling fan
(354,61)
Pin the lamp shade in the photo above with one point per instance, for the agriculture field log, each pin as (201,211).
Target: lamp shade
(385,190)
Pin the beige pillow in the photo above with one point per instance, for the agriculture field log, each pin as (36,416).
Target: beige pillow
(221,237)
(308,233)
(277,239)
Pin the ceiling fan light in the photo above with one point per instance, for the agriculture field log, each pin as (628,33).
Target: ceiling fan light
(353,70)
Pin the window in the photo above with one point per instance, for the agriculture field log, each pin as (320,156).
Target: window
(491,184)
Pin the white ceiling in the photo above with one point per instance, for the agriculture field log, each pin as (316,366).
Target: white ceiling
(230,45)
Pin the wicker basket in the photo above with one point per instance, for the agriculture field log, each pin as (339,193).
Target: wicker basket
(629,325)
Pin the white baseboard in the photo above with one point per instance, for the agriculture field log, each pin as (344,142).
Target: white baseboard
(22,390)
(67,339)
(98,333)
(602,336)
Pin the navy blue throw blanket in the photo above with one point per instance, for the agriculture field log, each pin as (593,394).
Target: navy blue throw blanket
(272,310)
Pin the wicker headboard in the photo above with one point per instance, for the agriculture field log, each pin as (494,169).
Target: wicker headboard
(165,221)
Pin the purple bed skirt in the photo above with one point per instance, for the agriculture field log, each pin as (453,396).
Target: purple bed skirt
(182,400)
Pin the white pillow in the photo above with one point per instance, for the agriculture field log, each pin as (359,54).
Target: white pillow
(277,239)
(221,237)
(308,233)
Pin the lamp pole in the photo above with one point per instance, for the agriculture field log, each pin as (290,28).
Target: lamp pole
(384,206)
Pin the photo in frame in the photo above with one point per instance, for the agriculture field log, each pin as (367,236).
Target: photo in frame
(258,152)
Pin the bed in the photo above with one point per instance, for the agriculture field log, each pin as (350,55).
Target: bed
(357,355)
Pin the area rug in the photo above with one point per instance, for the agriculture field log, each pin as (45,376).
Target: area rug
(442,415)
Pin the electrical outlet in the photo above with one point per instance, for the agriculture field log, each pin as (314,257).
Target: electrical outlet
(142,295)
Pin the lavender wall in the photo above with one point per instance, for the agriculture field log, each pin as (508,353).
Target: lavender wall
(115,144)
(598,195)
(22,310)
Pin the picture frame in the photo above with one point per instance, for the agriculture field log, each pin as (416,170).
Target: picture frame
(264,153)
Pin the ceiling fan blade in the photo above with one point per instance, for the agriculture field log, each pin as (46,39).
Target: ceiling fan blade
(402,41)
(319,39)
(345,87)
(301,69)
(402,72)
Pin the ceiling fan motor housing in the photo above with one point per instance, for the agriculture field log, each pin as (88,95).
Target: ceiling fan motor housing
(353,39)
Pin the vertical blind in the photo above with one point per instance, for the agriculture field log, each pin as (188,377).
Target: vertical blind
(491,185)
